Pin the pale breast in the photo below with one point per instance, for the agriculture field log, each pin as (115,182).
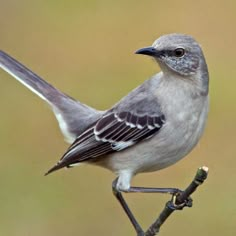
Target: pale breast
(185,121)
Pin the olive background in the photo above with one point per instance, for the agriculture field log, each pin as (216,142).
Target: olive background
(86,49)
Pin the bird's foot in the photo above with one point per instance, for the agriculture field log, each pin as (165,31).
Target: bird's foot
(176,205)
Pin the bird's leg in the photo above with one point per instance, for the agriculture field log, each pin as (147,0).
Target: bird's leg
(173,204)
(173,191)
(123,203)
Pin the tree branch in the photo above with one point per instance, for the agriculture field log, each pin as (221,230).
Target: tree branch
(179,201)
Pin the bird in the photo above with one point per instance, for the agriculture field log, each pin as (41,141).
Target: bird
(154,126)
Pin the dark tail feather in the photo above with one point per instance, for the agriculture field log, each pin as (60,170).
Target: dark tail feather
(73,117)
(25,76)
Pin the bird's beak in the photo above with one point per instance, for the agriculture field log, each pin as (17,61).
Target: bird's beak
(149,51)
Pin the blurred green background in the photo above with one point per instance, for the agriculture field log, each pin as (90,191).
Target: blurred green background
(86,49)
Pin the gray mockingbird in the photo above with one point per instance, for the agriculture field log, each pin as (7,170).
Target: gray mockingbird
(154,126)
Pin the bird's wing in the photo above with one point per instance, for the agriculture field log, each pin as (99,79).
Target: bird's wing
(114,132)
(73,117)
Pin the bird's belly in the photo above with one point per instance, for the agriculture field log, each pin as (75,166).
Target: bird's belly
(174,141)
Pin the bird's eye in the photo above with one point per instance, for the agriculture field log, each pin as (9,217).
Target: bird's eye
(179,52)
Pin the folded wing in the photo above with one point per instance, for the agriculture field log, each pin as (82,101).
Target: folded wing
(112,133)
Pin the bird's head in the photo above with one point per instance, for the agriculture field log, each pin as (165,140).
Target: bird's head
(179,53)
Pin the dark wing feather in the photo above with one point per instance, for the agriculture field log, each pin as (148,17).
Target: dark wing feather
(113,132)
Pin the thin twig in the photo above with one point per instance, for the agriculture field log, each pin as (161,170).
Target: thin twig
(179,201)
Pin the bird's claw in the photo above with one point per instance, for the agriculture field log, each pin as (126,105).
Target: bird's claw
(179,206)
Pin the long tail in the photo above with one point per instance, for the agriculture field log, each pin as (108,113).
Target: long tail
(73,116)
